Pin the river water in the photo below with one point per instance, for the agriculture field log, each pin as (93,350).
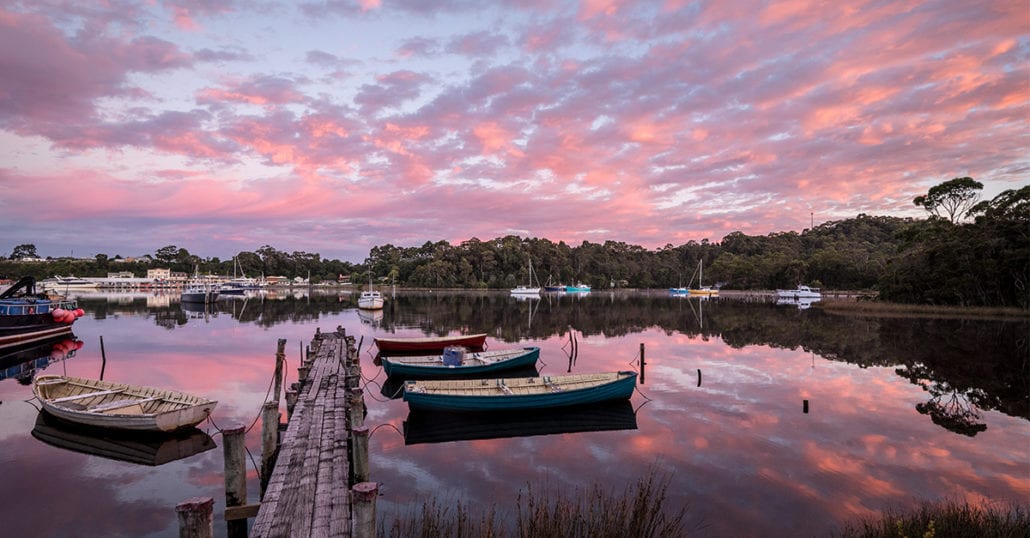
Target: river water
(765,420)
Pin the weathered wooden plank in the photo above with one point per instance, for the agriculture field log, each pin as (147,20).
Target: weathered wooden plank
(308,493)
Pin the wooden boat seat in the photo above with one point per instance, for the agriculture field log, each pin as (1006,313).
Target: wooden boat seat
(85,395)
(549,384)
(122,406)
(48,382)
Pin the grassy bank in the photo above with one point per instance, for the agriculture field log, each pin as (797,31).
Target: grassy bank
(885,309)
(945,519)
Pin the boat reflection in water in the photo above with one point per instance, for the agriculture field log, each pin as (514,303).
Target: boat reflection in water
(22,362)
(140,448)
(424,426)
(803,303)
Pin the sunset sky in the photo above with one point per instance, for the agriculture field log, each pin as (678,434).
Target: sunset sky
(334,126)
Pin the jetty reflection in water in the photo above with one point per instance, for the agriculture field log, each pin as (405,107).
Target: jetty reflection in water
(134,447)
(426,426)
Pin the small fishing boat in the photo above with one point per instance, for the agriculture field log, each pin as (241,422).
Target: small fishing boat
(428,343)
(457,360)
(119,406)
(579,287)
(519,393)
(27,316)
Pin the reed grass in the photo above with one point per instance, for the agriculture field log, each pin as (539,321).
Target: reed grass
(944,519)
(639,511)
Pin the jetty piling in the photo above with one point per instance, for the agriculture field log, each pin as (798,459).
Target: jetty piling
(196,517)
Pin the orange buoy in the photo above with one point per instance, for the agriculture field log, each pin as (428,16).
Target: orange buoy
(59,313)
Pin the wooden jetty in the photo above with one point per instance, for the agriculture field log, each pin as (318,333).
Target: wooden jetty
(310,489)
(314,482)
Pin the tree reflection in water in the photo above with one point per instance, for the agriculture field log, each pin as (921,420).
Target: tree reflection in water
(967,366)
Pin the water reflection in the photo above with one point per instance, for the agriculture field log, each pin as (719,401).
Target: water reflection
(424,426)
(932,353)
(23,362)
(131,447)
(900,409)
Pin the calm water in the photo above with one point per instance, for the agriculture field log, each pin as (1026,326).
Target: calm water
(899,410)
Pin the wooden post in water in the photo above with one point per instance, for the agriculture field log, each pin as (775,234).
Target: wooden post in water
(196,517)
(234,454)
(363,509)
(302,373)
(269,441)
(280,358)
(360,454)
(642,363)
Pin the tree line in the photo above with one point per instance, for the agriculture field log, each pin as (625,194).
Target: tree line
(967,252)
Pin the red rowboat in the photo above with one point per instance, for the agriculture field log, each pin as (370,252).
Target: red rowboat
(429,343)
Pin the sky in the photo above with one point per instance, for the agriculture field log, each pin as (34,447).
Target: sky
(335,126)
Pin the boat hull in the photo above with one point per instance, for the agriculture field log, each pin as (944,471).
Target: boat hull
(514,393)
(435,366)
(10,337)
(199,296)
(370,302)
(429,343)
(119,406)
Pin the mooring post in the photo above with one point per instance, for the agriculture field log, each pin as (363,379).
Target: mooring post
(302,373)
(280,358)
(360,438)
(363,507)
(196,517)
(642,363)
(357,407)
(234,454)
(269,441)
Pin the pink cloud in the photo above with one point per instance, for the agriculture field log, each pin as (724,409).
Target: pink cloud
(259,90)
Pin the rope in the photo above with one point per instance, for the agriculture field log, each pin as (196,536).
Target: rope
(399,432)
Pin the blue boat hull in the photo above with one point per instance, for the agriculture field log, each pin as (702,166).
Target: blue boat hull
(619,389)
(399,369)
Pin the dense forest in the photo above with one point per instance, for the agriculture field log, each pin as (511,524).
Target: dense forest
(967,252)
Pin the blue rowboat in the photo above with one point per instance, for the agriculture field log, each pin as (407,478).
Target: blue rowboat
(460,361)
(520,392)
(577,288)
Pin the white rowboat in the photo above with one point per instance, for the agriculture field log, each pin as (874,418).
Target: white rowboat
(103,404)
